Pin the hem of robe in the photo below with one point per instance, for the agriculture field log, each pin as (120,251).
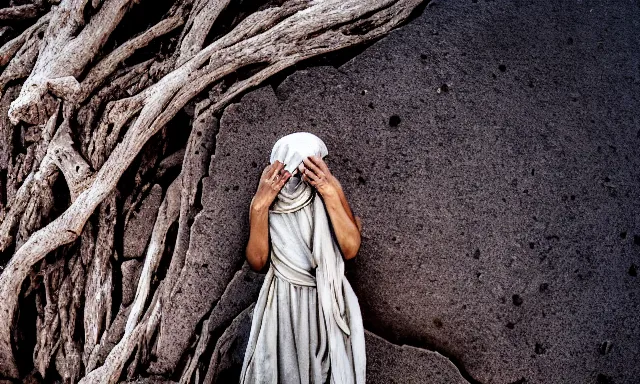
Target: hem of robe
(356,340)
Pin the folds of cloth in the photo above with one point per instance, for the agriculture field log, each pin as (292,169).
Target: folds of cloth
(307,326)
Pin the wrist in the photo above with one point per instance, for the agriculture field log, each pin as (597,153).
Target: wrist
(259,206)
(330,192)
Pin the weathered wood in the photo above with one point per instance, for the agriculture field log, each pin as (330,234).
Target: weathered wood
(69,46)
(19,12)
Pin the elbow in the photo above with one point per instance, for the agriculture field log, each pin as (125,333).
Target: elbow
(255,261)
(353,248)
(254,266)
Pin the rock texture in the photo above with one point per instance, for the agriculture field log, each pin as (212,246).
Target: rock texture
(491,150)
(389,363)
(139,228)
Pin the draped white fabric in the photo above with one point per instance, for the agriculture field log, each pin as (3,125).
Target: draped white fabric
(307,325)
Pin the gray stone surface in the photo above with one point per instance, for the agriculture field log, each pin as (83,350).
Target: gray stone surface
(138,230)
(241,292)
(226,361)
(389,363)
(491,150)
(131,270)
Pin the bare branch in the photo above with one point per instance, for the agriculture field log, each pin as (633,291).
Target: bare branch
(202,17)
(19,12)
(109,63)
(65,54)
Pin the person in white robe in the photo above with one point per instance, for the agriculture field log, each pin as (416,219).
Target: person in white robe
(306,325)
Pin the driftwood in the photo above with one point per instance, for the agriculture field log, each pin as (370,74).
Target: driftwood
(86,97)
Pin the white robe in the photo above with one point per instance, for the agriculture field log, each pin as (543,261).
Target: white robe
(307,325)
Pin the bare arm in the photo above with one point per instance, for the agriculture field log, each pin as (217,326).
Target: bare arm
(271,181)
(346,226)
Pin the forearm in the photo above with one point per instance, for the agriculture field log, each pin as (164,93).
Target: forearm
(257,250)
(343,222)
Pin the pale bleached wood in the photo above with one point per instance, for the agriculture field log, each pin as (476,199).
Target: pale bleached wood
(99,284)
(105,67)
(65,54)
(19,12)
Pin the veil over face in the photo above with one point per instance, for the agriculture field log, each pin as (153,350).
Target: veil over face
(291,150)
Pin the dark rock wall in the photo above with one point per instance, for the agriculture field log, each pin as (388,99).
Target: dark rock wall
(491,150)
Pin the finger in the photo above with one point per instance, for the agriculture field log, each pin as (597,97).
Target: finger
(284,175)
(317,160)
(310,165)
(277,167)
(269,171)
(275,164)
(310,175)
(308,180)
(284,179)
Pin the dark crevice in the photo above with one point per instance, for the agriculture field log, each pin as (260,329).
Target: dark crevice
(3,187)
(233,14)
(193,341)
(25,331)
(338,57)
(429,347)
(17,143)
(165,259)
(62,196)
(7,254)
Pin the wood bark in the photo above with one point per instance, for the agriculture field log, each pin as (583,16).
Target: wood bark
(90,96)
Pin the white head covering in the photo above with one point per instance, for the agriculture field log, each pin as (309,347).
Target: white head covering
(291,150)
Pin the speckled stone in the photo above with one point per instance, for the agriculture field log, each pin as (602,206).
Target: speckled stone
(390,363)
(131,270)
(138,230)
